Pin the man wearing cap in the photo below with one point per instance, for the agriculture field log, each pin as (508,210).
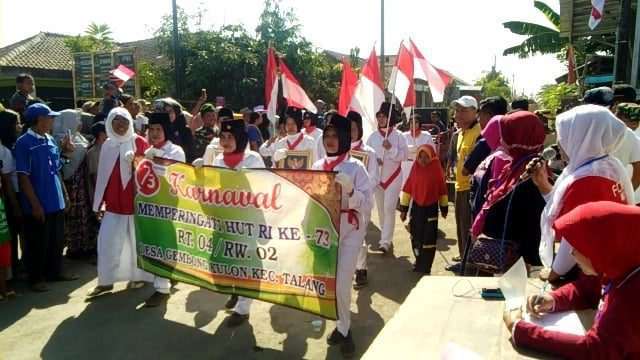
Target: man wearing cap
(205,134)
(43,198)
(294,141)
(391,150)
(161,147)
(466,113)
(629,151)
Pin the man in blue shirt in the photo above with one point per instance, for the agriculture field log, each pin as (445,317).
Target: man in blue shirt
(43,197)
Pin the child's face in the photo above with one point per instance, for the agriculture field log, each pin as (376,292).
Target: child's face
(120,125)
(156,134)
(331,141)
(227,142)
(423,158)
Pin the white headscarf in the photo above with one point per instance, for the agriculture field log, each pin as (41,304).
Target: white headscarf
(68,122)
(114,148)
(585,133)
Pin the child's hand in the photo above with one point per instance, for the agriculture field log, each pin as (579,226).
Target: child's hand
(403,216)
(444,210)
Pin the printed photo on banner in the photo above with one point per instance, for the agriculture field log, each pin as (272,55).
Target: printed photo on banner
(362,156)
(296,160)
(268,234)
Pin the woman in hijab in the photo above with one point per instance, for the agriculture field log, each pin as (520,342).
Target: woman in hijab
(180,134)
(509,199)
(80,225)
(602,235)
(587,135)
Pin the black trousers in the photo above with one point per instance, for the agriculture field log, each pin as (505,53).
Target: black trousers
(423,226)
(43,246)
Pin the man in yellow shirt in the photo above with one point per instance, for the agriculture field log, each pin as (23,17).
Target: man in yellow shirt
(466,113)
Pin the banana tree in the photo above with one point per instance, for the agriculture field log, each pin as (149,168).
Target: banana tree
(541,39)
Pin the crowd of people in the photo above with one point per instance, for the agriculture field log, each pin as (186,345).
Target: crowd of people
(67,188)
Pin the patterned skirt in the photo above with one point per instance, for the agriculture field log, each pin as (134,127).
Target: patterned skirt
(80,226)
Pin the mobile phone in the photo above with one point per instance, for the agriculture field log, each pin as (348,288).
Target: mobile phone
(492,294)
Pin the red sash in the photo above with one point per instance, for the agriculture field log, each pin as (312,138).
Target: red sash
(330,165)
(352,217)
(359,147)
(295,143)
(232,159)
(385,132)
(385,184)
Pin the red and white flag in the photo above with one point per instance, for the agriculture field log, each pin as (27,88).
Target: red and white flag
(347,88)
(293,92)
(271,85)
(121,74)
(424,70)
(401,80)
(597,11)
(368,95)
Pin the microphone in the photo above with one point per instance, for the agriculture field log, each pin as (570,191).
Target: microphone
(546,155)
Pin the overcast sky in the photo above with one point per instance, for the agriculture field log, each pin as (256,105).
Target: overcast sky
(461,36)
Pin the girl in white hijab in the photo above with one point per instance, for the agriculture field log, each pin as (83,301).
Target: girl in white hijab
(115,189)
(587,135)
(80,225)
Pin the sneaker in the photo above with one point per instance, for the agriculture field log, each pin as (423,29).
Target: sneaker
(384,249)
(361,279)
(99,290)
(231,303)
(336,338)
(235,319)
(347,346)
(156,299)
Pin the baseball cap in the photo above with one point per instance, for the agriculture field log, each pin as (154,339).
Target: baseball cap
(602,96)
(467,101)
(39,109)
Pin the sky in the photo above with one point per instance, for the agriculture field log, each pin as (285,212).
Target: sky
(464,37)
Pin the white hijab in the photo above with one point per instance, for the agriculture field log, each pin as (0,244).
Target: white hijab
(585,133)
(114,148)
(68,122)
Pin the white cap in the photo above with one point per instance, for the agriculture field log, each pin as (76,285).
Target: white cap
(467,101)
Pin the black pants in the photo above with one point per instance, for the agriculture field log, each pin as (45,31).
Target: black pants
(43,246)
(423,226)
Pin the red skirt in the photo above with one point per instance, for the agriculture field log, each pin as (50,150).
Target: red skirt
(5,254)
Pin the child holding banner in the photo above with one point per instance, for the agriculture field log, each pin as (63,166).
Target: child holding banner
(356,195)
(233,141)
(359,147)
(294,141)
(159,128)
(391,150)
(115,189)
(426,190)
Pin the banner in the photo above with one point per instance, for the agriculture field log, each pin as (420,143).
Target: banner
(268,234)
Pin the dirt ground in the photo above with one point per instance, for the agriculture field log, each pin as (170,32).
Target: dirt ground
(61,324)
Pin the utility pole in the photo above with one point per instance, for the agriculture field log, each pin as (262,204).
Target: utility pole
(177,60)
(382,40)
(621,62)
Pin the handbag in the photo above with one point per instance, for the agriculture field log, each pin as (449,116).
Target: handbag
(494,255)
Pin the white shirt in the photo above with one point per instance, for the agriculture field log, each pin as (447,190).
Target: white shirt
(317,137)
(360,200)
(372,162)
(307,143)
(172,151)
(252,160)
(392,157)
(212,151)
(414,143)
(9,166)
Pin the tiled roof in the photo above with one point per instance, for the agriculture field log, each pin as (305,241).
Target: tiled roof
(41,51)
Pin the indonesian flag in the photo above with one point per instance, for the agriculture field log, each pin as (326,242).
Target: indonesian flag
(121,74)
(401,80)
(437,79)
(368,95)
(271,85)
(293,92)
(347,88)
(597,8)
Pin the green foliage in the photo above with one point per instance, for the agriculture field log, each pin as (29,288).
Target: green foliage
(97,37)
(230,61)
(550,96)
(494,83)
(152,81)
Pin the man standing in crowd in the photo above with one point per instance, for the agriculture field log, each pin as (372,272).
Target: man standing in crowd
(489,107)
(43,196)
(391,150)
(466,112)
(204,134)
(22,96)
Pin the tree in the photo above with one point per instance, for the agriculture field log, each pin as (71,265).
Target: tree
(550,96)
(96,37)
(494,84)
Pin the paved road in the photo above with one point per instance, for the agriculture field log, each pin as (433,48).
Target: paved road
(60,324)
